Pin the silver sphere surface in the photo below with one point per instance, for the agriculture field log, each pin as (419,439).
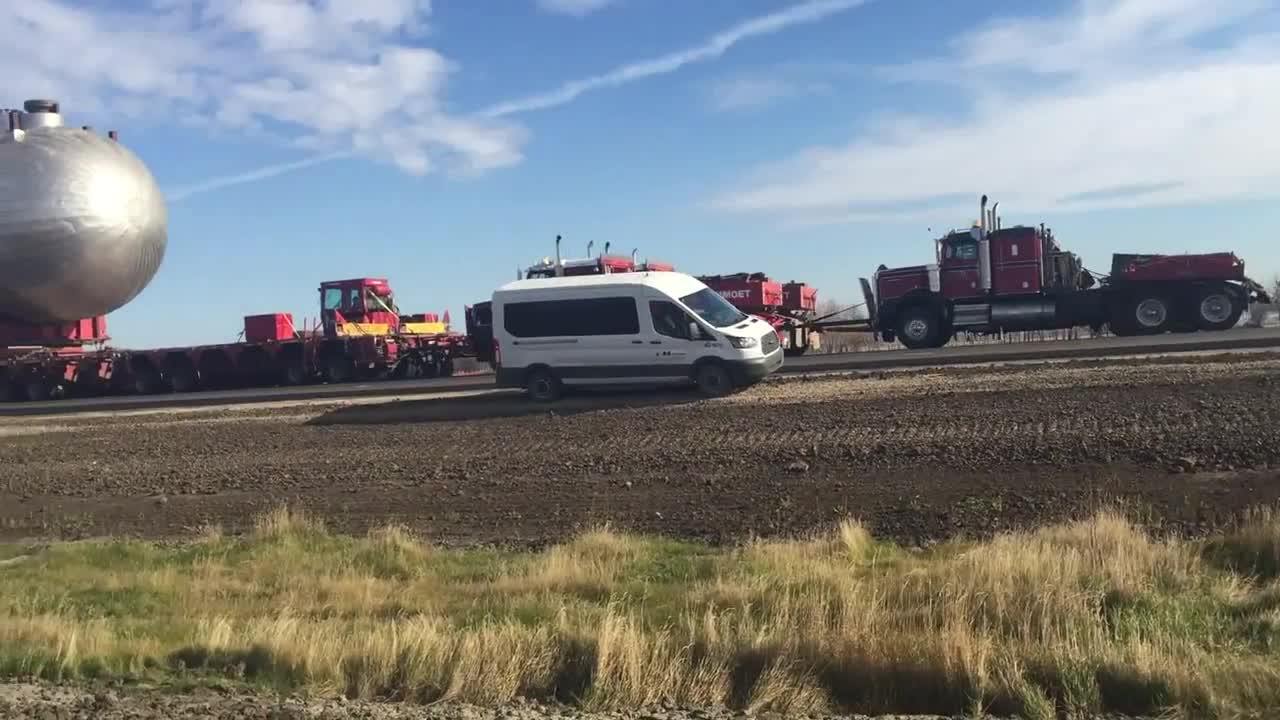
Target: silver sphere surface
(83,225)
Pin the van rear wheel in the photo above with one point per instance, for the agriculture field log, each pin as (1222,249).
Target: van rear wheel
(543,387)
(713,380)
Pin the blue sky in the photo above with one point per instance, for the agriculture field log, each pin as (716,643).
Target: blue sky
(442,144)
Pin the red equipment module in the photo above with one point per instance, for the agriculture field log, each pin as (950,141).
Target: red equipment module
(791,308)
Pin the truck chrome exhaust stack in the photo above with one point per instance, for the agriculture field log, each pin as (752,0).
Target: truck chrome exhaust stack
(559,264)
(984,248)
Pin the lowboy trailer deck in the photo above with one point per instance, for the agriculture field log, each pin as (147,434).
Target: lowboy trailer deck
(361,335)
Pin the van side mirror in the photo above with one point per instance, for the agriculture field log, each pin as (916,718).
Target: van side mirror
(695,331)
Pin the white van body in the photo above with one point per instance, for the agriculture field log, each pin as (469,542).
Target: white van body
(635,328)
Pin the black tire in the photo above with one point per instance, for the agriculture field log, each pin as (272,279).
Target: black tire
(1216,308)
(147,380)
(338,368)
(37,389)
(919,327)
(183,376)
(713,379)
(1148,313)
(543,386)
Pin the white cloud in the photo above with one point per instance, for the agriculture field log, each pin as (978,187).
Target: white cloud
(713,47)
(1116,103)
(758,88)
(576,8)
(335,76)
(750,93)
(261,173)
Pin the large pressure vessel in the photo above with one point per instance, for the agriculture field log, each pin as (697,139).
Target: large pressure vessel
(83,225)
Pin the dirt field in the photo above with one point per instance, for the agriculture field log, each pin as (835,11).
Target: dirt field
(916,455)
(33,701)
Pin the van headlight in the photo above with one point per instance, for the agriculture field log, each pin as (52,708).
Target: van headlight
(743,342)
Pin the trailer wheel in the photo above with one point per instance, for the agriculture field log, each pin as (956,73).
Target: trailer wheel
(182,374)
(147,379)
(338,368)
(543,386)
(1217,309)
(919,327)
(713,379)
(37,388)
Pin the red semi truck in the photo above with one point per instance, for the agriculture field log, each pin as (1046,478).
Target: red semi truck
(361,334)
(991,278)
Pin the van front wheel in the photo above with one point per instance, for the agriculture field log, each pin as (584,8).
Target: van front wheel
(713,379)
(543,387)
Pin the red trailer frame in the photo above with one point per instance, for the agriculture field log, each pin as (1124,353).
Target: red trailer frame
(361,335)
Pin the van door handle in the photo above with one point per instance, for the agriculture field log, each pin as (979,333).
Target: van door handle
(655,342)
(637,342)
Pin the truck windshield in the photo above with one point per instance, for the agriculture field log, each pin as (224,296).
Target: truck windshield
(712,308)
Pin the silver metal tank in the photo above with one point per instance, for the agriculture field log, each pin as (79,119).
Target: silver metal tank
(83,225)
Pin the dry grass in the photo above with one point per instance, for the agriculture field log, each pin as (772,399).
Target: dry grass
(1077,619)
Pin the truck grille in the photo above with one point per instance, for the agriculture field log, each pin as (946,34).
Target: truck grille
(769,342)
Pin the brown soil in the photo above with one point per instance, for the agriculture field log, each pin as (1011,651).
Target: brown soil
(47,702)
(918,455)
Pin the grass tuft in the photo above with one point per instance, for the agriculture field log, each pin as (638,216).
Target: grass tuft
(1091,617)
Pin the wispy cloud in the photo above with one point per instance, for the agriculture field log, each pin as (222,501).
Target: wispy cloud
(334,76)
(756,88)
(262,173)
(713,47)
(1152,101)
(576,8)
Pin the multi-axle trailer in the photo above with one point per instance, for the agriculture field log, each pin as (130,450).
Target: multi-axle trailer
(360,335)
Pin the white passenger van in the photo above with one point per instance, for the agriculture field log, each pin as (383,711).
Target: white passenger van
(633,328)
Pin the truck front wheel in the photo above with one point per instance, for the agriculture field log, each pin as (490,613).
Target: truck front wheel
(919,327)
(1217,309)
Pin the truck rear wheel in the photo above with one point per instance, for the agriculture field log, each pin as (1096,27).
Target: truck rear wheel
(919,327)
(1144,314)
(1216,309)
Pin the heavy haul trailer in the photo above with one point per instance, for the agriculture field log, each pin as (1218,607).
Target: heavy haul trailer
(791,307)
(361,335)
(991,278)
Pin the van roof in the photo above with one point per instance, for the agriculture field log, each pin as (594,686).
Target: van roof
(674,283)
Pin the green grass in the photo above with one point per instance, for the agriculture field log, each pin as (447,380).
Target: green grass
(1084,618)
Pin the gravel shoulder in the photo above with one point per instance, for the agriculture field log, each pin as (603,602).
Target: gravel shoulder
(917,455)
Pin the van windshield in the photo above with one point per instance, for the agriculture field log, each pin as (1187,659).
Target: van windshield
(712,308)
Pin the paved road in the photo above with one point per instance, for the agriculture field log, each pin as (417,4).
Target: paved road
(1237,339)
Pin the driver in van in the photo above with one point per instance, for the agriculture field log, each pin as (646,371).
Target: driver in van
(667,321)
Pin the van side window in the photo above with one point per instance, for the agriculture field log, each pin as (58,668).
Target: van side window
(669,320)
(561,318)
